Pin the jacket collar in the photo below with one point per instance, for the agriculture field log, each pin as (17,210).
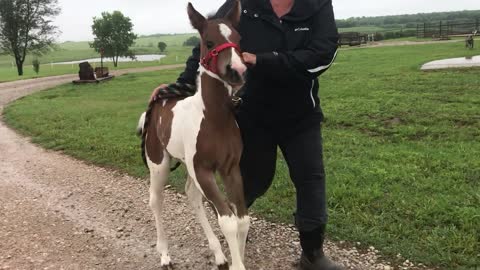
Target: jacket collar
(301,10)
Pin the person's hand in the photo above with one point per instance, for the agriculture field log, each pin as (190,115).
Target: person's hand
(249,59)
(155,91)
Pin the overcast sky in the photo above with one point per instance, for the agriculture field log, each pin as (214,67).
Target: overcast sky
(169,16)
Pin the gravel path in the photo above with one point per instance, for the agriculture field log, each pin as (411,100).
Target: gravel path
(60,213)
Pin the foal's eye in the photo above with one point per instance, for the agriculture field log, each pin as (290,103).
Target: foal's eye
(209,44)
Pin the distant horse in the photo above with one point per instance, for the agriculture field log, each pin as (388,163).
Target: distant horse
(201,131)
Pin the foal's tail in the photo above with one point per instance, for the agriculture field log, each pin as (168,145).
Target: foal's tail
(142,132)
(141,124)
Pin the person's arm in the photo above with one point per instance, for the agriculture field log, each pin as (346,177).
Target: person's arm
(189,75)
(312,60)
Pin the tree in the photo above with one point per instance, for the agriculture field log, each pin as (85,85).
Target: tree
(113,33)
(36,65)
(162,46)
(26,27)
(192,41)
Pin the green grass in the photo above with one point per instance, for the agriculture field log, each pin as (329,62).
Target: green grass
(401,147)
(362,29)
(71,51)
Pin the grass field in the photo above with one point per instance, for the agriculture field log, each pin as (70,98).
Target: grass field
(362,29)
(70,51)
(401,147)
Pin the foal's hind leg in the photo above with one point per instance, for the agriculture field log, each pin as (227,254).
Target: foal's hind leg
(158,178)
(195,198)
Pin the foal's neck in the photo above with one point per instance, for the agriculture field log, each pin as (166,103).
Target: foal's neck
(214,93)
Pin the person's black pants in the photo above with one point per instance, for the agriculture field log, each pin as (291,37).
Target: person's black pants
(301,144)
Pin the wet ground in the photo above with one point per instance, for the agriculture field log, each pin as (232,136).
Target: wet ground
(140,58)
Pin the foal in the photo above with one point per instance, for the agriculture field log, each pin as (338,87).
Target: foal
(201,131)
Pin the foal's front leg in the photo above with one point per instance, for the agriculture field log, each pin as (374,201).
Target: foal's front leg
(226,217)
(195,198)
(158,178)
(234,188)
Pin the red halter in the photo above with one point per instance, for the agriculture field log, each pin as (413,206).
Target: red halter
(212,56)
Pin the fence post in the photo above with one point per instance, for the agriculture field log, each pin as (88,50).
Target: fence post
(424,29)
(440,34)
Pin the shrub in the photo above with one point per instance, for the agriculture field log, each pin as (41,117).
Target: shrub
(192,41)
(36,65)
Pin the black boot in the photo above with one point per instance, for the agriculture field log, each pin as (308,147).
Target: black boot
(313,257)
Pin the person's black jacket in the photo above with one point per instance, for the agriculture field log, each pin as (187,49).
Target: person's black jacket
(291,53)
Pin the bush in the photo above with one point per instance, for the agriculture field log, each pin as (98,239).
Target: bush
(36,65)
(379,37)
(192,41)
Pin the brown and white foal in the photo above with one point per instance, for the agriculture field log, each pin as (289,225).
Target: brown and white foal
(201,131)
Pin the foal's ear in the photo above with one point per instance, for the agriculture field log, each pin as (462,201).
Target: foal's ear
(233,16)
(196,19)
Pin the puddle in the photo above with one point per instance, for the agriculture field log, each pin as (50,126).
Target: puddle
(139,58)
(462,62)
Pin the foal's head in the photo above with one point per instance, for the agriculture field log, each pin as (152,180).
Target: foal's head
(219,46)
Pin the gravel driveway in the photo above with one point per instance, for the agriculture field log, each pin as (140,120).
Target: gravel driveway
(60,213)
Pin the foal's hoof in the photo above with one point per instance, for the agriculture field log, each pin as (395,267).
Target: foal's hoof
(223,266)
(167,267)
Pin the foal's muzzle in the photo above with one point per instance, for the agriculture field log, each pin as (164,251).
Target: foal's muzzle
(234,77)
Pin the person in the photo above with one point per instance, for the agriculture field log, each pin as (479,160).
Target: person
(287,45)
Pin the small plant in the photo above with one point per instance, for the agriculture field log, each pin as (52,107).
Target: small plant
(36,65)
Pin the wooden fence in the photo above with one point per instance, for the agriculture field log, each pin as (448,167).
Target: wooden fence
(447,29)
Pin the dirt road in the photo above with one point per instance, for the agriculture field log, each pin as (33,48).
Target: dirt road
(60,213)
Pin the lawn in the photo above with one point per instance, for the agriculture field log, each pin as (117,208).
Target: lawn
(362,29)
(401,147)
(71,51)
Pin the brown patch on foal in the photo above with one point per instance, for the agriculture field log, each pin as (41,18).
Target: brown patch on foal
(219,147)
(159,129)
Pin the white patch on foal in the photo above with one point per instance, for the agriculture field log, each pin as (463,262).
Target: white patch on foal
(158,179)
(226,31)
(188,115)
(235,62)
(243,227)
(229,227)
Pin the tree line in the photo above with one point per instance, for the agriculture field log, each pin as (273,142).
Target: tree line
(409,21)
